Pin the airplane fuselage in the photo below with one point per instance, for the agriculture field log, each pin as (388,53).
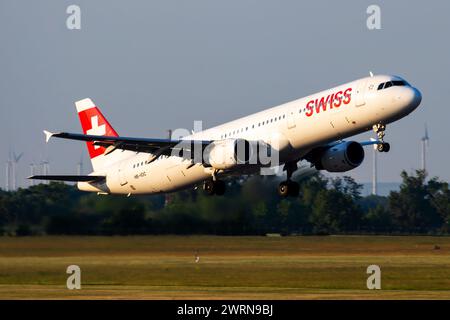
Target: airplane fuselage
(297,126)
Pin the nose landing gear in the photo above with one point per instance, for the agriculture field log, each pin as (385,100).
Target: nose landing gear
(379,130)
(289,187)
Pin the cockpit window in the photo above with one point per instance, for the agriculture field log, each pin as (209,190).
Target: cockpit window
(399,83)
(394,83)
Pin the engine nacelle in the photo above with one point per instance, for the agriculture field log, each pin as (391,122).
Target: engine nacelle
(342,157)
(225,154)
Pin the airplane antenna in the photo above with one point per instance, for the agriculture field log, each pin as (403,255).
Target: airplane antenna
(425,144)
(371,74)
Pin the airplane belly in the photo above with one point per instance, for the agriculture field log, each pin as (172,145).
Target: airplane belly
(171,174)
(312,131)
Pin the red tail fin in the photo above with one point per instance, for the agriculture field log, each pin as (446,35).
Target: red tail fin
(93,123)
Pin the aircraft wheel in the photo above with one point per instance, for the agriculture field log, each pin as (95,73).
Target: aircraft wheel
(384,147)
(220,187)
(288,188)
(283,189)
(209,187)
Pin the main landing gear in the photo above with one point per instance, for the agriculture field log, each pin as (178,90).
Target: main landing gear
(289,187)
(214,187)
(379,130)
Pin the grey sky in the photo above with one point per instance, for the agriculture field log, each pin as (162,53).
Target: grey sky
(153,65)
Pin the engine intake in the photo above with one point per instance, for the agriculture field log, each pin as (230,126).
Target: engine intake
(341,157)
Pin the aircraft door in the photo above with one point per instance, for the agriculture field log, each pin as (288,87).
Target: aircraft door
(290,118)
(122,174)
(361,93)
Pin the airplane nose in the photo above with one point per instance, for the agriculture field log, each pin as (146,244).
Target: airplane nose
(417,98)
(413,98)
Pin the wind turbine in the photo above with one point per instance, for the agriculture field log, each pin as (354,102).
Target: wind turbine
(80,165)
(15,162)
(45,164)
(425,144)
(8,174)
(45,167)
(32,173)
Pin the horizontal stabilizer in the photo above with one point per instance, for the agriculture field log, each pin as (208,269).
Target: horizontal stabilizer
(48,135)
(68,178)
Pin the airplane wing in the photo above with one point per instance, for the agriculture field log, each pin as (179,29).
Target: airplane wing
(67,178)
(162,146)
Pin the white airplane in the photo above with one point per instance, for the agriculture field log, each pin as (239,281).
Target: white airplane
(310,128)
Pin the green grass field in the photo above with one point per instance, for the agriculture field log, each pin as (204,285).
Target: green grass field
(163,267)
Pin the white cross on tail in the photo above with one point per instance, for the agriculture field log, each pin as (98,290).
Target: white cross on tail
(96,130)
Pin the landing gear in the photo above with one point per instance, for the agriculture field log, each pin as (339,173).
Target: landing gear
(384,147)
(216,187)
(220,187)
(289,187)
(379,130)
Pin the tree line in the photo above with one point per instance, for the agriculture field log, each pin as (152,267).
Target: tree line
(250,206)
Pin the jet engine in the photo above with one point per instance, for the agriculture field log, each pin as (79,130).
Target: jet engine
(341,157)
(225,154)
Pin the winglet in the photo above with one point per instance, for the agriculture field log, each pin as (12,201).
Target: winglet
(48,135)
